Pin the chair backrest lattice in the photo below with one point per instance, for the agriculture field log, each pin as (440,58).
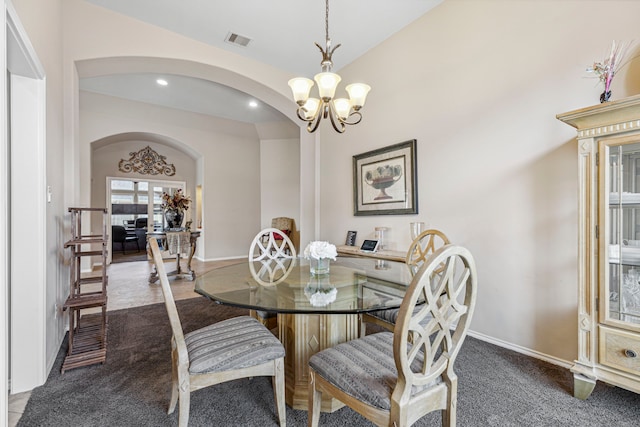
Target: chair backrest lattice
(423,246)
(427,341)
(271,243)
(271,256)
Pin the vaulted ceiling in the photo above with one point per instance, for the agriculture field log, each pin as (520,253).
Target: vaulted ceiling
(280,33)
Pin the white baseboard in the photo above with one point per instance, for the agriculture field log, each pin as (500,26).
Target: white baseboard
(221,258)
(523,350)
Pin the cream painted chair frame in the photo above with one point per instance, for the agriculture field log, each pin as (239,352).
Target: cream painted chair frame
(184,382)
(265,247)
(439,339)
(422,247)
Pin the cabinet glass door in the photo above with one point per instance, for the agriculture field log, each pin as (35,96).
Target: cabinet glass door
(620,222)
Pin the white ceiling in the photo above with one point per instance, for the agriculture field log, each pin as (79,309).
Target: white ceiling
(282,34)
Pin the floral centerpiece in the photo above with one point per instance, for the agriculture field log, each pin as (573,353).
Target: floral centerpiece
(174,206)
(319,253)
(607,69)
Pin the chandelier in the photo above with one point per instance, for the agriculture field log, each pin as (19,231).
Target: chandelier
(340,111)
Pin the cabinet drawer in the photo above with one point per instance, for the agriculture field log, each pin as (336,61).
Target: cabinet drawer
(620,349)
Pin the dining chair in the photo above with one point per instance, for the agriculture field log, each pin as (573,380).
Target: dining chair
(270,244)
(119,235)
(395,378)
(284,224)
(422,246)
(240,347)
(270,272)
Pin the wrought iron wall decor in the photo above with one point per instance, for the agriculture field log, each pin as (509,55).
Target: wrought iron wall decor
(147,162)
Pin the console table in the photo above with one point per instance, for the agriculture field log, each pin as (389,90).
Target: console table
(162,237)
(382,254)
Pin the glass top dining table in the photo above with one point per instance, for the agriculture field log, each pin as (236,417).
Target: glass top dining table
(352,286)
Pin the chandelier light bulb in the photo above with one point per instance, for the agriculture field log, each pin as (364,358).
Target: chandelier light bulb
(342,107)
(311,108)
(327,85)
(358,94)
(300,86)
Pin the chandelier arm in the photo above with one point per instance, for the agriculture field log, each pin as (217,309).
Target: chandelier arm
(314,123)
(300,116)
(333,116)
(355,113)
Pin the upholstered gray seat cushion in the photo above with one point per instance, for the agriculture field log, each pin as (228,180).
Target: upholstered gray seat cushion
(234,343)
(364,369)
(391,315)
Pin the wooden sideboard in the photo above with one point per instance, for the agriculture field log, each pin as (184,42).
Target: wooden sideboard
(384,254)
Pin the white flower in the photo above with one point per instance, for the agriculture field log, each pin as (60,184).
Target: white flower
(318,250)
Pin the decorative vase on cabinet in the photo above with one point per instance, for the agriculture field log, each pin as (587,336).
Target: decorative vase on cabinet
(608,245)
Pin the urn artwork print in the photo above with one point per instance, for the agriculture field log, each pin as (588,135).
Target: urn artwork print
(385,181)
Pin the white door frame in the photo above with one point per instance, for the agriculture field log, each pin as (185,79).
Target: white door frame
(4,240)
(23,137)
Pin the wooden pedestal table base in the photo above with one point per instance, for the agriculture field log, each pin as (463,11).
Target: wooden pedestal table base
(303,335)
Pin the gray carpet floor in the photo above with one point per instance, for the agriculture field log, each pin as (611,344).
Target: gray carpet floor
(497,387)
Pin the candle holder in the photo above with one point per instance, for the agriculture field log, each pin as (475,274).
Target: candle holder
(416,229)
(380,235)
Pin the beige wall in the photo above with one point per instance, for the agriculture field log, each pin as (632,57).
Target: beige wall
(478,84)
(280,181)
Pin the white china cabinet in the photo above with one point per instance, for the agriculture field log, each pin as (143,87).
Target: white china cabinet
(608,245)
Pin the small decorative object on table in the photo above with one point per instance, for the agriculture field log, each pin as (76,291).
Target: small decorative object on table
(608,68)
(380,232)
(319,254)
(174,207)
(351,238)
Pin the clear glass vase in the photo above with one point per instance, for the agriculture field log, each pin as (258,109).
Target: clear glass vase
(319,266)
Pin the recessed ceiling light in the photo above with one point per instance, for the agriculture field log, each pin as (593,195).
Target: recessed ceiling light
(162,82)
(253,104)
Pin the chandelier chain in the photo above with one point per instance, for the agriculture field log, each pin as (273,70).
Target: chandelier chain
(326,21)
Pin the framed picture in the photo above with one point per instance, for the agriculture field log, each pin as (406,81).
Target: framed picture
(385,181)
(351,238)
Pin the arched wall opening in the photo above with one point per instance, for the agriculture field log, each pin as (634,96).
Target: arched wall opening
(231,182)
(108,153)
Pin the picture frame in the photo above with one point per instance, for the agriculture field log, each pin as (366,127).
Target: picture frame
(385,181)
(351,238)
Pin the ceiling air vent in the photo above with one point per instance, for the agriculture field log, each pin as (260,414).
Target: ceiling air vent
(237,39)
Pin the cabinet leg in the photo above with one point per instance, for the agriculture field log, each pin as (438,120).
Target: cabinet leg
(582,386)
